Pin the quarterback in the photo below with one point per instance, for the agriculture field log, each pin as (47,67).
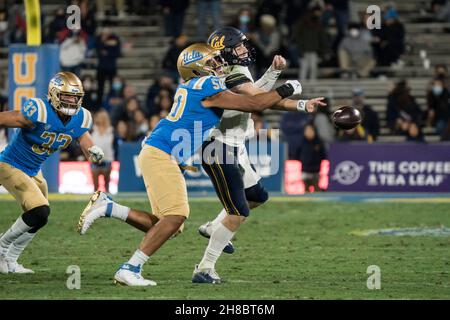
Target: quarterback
(199,103)
(237,184)
(44,126)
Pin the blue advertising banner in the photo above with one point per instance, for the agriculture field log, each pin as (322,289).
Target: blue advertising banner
(30,70)
(130,176)
(267,159)
(404,167)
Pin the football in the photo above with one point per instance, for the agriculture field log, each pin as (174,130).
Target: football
(346,117)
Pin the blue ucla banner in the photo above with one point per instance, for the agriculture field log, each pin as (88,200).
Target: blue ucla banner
(267,157)
(30,70)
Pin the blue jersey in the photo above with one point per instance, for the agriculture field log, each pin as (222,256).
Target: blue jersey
(188,124)
(29,148)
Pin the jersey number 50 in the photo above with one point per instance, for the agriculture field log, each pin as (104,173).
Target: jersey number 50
(178,105)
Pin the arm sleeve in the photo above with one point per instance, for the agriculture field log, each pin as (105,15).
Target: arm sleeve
(267,81)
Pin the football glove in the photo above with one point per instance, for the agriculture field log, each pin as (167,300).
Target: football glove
(96,154)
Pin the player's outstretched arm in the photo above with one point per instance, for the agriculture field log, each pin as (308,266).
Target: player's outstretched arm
(14,119)
(249,88)
(229,100)
(92,152)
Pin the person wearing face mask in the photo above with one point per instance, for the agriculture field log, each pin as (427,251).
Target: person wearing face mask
(244,21)
(355,53)
(90,94)
(438,105)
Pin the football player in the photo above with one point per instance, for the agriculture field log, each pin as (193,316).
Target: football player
(239,188)
(44,126)
(198,106)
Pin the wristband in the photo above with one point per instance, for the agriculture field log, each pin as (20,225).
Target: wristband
(301,105)
(285,90)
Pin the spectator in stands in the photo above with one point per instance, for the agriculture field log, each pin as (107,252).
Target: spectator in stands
(205,9)
(152,122)
(108,50)
(103,136)
(244,21)
(72,53)
(438,101)
(88,24)
(370,121)
(339,9)
(292,126)
(169,62)
(115,99)
(324,128)
(312,42)
(311,153)
(164,101)
(267,40)
(390,39)
(57,25)
(355,54)
(402,107)
(164,82)
(119,8)
(141,124)
(90,93)
(413,132)
(174,12)
(122,134)
(441,10)
(441,71)
(17,23)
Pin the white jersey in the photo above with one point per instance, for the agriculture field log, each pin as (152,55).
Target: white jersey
(235,126)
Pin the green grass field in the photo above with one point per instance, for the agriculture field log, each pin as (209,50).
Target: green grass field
(287,250)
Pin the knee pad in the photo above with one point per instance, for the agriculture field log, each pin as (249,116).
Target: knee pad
(36,218)
(257,193)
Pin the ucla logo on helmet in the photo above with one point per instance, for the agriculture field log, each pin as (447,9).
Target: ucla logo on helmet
(193,56)
(217,42)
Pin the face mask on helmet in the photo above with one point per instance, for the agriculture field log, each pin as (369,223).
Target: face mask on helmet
(69,104)
(215,65)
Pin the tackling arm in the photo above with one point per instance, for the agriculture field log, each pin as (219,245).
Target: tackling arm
(14,119)
(286,104)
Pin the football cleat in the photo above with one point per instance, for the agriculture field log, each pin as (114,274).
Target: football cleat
(99,205)
(130,275)
(205,230)
(3,265)
(205,276)
(14,267)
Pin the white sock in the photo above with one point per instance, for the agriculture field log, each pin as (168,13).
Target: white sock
(219,218)
(138,259)
(17,247)
(12,234)
(219,239)
(119,211)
